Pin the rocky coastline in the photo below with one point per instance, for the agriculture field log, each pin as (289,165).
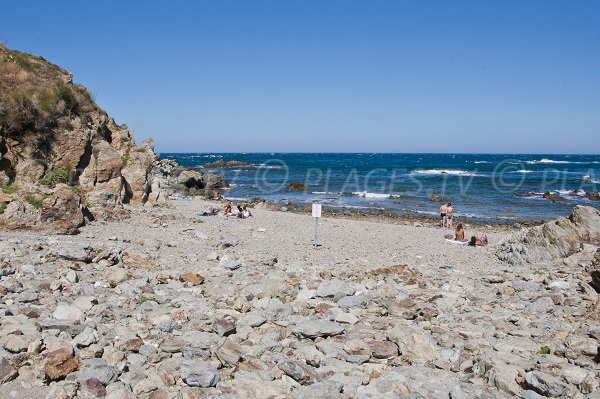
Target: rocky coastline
(117,281)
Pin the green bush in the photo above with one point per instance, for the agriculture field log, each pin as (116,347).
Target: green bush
(2,207)
(545,350)
(8,189)
(36,203)
(76,189)
(55,176)
(124,160)
(24,62)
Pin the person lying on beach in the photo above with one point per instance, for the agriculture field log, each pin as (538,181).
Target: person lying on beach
(479,242)
(246,213)
(240,212)
(459,235)
(227,209)
(213,212)
(217,196)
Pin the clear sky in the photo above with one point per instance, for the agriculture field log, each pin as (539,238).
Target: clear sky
(333,76)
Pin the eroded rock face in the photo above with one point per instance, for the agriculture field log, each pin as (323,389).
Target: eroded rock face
(62,210)
(553,240)
(68,139)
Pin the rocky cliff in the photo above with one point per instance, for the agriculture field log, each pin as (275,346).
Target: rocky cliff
(63,159)
(554,240)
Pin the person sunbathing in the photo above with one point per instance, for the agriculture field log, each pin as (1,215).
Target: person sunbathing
(247,213)
(460,233)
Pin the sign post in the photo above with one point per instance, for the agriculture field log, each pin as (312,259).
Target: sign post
(316,213)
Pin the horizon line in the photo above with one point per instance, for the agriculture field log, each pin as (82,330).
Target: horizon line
(379,152)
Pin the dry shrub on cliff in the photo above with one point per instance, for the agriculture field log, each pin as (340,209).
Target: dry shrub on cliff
(36,96)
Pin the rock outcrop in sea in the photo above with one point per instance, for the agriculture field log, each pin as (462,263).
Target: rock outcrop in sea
(64,160)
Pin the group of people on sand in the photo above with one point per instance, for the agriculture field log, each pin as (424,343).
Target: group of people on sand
(240,212)
(446,218)
(459,235)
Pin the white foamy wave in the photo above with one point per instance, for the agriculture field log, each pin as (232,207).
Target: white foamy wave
(545,161)
(489,217)
(523,171)
(588,179)
(552,161)
(325,193)
(366,194)
(453,172)
(359,207)
(265,166)
(481,162)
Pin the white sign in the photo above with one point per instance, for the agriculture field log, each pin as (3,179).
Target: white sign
(316,210)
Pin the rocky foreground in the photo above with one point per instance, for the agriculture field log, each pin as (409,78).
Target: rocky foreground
(168,304)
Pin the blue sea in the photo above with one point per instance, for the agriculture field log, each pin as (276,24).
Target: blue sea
(482,187)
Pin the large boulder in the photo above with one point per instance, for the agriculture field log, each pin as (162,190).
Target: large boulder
(137,165)
(20,214)
(104,165)
(62,210)
(553,240)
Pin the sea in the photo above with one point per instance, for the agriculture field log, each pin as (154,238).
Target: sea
(499,188)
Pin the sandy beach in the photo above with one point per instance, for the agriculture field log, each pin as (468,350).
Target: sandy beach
(167,303)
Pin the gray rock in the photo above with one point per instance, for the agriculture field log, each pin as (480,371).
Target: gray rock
(337,314)
(73,251)
(229,353)
(6,271)
(542,305)
(198,374)
(230,264)
(357,359)
(321,390)
(86,338)
(68,312)
(352,302)
(98,369)
(318,328)
(72,277)
(335,287)
(383,349)
(545,384)
(415,381)
(299,371)
(273,309)
(7,371)
(224,326)
(27,296)
(414,342)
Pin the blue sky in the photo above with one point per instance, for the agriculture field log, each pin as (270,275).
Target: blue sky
(332,76)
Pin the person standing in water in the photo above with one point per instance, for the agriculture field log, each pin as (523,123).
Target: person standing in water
(443,210)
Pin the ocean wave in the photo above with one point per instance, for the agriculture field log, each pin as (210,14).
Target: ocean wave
(588,179)
(265,166)
(482,162)
(488,217)
(359,207)
(453,172)
(552,161)
(523,171)
(366,194)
